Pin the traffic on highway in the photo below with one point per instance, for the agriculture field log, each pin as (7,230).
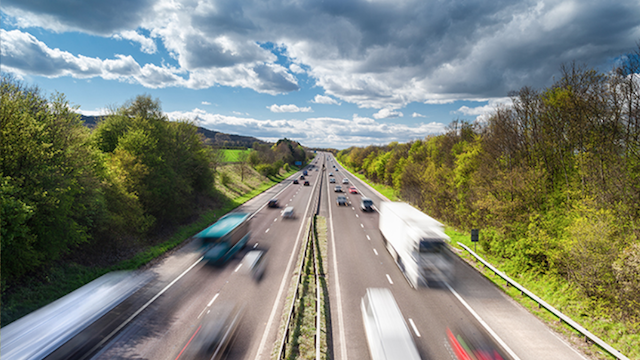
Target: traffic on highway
(397,289)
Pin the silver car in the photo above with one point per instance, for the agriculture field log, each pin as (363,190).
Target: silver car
(287,213)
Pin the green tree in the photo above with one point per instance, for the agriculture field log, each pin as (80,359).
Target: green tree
(51,194)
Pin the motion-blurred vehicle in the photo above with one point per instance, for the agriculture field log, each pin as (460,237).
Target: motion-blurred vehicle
(332,181)
(215,334)
(338,188)
(287,213)
(304,172)
(295,181)
(353,190)
(341,200)
(469,343)
(416,242)
(45,331)
(255,263)
(301,177)
(330,174)
(306,183)
(222,240)
(387,333)
(273,203)
(345,181)
(366,204)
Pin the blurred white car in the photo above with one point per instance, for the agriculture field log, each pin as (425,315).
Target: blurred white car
(287,213)
(255,262)
(387,333)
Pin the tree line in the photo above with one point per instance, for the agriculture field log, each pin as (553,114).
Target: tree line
(552,181)
(66,187)
(63,185)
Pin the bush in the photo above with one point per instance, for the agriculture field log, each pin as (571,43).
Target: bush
(224,178)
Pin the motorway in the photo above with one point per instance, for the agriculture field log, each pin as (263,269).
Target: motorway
(162,318)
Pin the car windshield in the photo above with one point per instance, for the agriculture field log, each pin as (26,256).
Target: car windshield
(367,202)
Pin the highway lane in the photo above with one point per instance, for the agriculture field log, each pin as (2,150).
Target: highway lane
(362,261)
(163,329)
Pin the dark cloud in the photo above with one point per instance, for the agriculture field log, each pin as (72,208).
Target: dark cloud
(275,79)
(201,52)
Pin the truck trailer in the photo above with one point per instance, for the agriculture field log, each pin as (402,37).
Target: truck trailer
(416,242)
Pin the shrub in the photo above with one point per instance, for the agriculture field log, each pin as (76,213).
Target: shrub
(224,178)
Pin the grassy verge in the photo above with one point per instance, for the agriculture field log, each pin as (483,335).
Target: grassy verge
(563,296)
(66,277)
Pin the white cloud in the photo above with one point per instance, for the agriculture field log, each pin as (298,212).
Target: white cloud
(96,112)
(288,108)
(387,114)
(23,54)
(321,99)
(483,112)
(315,132)
(296,69)
(415,115)
(147,45)
(206,103)
(238,113)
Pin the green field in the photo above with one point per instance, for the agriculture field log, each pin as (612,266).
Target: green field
(232,155)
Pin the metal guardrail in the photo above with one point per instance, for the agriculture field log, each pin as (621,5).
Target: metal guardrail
(564,318)
(292,310)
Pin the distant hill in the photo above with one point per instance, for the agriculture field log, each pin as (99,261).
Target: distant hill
(212,138)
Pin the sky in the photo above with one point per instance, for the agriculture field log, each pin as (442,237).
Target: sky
(333,73)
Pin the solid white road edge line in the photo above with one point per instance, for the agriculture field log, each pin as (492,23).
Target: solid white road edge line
(484,324)
(389,278)
(413,325)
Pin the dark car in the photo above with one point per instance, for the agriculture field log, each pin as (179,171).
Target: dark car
(341,200)
(273,203)
(295,181)
(306,183)
(366,204)
(217,332)
(301,177)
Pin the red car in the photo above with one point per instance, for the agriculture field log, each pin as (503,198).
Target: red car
(353,190)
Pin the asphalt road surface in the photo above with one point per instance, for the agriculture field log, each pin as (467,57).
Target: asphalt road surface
(161,320)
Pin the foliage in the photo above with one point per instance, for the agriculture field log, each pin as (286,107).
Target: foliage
(159,167)
(224,178)
(268,160)
(62,186)
(49,185)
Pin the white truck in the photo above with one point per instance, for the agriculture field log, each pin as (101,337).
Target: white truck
(416,242)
